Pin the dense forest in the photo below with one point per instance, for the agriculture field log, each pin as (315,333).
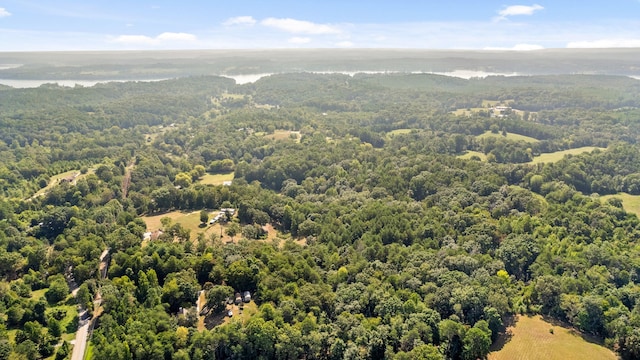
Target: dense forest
(355,218)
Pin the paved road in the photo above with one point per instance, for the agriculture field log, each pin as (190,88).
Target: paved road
(80,342)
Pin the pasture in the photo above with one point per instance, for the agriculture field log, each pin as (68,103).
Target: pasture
(630,203)
(510,136)
(559,155)
(395,132)
(530,338)
(469,154)
(190,221)
(216,179)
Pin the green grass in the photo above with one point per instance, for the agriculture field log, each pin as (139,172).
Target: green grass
(468,111)
(54,180)
(188,220)
(88,355)
(558,155)
(630,203)
(400,132)
(216,179)
(469,154)
(37,294)
(510,136)
(530,339)
(280,135)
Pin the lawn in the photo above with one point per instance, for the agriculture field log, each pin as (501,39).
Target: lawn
(468,111)
(630,203)
(280,135)
(190,221)
(216,179)
(54,180)
(510,136)
(469,154)
(531,339)
(558,155)
(395,132)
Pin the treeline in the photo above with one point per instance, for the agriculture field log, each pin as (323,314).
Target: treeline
(387,246)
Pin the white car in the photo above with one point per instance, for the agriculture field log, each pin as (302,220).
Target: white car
(229,313)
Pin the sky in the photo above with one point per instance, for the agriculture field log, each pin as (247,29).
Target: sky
(64,25)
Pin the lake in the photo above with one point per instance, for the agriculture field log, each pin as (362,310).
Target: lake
(251,78)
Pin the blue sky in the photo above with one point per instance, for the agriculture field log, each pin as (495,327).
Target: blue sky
(32,25)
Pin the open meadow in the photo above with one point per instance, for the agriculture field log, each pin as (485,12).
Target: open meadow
(531,338)
(509,136)
(558,155)
(216,179)
(630,203)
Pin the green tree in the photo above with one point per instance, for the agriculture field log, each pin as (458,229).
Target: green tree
(217,297)
(204,216)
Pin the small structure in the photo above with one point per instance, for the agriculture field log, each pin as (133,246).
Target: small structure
(246,297)
(500,111)
(231,211)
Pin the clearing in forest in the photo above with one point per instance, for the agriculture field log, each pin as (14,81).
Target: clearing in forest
(72,176)
(531,338)
(190,221)
(216,179)
(281,135)
(468,111)
(395,132)
(469,154)
(559,155)
(509,136)
(630,203)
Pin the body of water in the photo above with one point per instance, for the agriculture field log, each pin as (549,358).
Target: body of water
(23,84)
(463,74)
(251,78)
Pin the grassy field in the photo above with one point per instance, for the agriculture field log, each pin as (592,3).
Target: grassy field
(54,180)
(558,155)
(216,179)
(400,132)
(510,136)
(530,339)
(469,154)
(468,111)
(280,135)
(190,221)
(630,203)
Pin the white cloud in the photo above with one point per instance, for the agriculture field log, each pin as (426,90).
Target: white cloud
(135,40)
(299,40)
(240,20)
(605,43)
(515,10)
(158,40)
(344,44)
(171,36)
(518,47)
(4,12)
(300,26)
